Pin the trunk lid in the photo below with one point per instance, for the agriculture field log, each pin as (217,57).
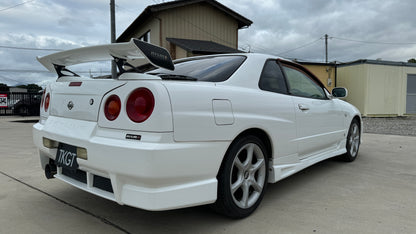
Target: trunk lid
(80,99)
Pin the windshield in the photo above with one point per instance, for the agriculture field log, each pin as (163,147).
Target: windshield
(213,69)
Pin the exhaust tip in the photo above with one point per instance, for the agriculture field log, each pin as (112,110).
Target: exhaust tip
(50,171)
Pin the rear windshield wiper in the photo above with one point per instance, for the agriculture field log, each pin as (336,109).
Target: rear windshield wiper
(176,77)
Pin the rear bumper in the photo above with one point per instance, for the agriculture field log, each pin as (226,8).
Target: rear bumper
(154,173)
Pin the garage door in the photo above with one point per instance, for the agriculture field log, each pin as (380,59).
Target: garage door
(411,94)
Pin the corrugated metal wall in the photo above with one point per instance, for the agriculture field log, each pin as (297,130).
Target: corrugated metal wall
(375,89)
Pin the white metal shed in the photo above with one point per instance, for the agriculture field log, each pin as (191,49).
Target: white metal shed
(379,88)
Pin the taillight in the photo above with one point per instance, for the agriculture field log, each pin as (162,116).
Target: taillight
(112,107)
(140,105)
(43,98)
(47,100)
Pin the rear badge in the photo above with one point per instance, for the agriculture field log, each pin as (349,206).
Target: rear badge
(133,137)
(70,105)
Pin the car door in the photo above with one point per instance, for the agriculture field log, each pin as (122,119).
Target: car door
(277,105)
(318,120)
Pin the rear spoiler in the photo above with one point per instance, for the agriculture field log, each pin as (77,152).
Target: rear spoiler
(135,49)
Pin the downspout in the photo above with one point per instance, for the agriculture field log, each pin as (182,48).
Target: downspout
(335,78)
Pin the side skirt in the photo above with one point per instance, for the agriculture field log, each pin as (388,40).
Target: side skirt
(281,171)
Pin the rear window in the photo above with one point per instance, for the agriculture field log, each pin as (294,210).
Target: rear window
(212,69)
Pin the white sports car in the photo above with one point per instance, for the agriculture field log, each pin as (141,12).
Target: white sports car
(203,130)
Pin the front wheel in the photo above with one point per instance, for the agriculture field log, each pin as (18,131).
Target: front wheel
(353,142)
(242,178)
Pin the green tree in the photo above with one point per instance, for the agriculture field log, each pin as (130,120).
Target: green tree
(412,60)
(33,88)
(4,87)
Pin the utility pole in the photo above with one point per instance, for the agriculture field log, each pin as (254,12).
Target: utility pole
(326,48)
(113,35)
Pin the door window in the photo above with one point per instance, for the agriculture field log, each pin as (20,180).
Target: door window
(300,84)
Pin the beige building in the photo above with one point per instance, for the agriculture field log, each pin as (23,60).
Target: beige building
(188,27)
(379,88)
(326,72)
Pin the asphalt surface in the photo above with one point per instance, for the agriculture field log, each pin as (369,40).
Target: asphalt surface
(374,194)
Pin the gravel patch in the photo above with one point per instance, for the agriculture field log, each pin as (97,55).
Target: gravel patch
(405,126)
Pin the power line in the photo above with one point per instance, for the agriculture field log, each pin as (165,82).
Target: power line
(374,42)
(302,46)
(10,7)
(28,48)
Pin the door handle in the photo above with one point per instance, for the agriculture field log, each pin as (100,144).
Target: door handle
(303,107)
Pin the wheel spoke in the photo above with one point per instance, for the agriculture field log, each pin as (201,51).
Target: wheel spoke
(352,151)
(354,130)
(244,199)
(237,184)
(258,165)
(238,164)
(249,160)
(257,186)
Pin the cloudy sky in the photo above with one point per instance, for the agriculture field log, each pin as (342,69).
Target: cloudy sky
(357,29)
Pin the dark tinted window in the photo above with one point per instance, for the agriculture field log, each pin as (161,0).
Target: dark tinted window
(271,78)
(214,69)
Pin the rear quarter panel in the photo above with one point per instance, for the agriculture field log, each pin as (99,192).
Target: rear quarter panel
(194,119)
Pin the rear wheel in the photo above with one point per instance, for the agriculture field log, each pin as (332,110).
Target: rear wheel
(353,142)
(242,178)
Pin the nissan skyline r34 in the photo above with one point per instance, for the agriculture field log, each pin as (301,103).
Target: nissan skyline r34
(203,130)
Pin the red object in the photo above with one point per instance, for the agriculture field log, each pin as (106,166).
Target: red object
(3,100)
(47,100)
(78,83)
(112,107)
(43,98)
(140,105)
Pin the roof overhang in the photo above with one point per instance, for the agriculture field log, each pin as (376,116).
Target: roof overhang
(202,47)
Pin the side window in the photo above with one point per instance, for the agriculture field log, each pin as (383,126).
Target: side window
(300,84)
(145,37)
(271,78)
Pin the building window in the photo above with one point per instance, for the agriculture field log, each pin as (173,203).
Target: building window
(145,37)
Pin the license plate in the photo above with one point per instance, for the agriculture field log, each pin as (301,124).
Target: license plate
(66,156)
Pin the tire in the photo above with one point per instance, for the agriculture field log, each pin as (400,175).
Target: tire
(242,178)
(353,142)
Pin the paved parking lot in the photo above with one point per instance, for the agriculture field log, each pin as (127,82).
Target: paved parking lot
(374,194)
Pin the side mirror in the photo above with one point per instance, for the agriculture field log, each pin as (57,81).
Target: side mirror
(339,92)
